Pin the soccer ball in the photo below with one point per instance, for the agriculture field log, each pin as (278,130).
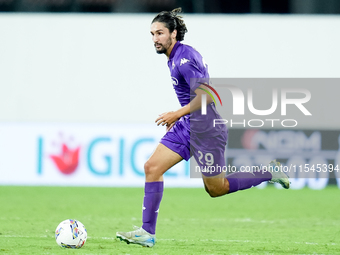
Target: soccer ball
(71,234)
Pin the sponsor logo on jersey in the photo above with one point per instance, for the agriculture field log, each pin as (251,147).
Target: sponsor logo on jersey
(174,81)
(183,61)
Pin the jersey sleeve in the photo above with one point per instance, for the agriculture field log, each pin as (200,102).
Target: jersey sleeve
(193,72)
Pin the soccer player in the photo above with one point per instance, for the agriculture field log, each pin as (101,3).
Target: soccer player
(188,131)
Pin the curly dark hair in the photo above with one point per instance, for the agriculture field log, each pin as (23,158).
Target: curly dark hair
(172,21)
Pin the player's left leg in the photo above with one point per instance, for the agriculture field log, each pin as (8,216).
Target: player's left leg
(220,185)
(209,152)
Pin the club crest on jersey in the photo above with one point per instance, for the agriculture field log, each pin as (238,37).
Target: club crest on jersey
(183,61)
(173,64)
(174,81)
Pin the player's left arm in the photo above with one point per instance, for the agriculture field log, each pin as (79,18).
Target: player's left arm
(190,69)
(170,118)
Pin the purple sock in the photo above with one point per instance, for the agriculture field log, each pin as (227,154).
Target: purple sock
(245,180)
(152,199)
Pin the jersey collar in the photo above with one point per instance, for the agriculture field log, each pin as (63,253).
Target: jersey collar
(172,54)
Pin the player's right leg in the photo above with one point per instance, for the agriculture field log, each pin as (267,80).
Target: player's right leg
(160,161)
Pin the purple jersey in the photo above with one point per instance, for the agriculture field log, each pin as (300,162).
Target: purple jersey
(185,63)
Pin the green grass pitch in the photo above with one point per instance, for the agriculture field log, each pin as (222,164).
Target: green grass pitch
(255,221)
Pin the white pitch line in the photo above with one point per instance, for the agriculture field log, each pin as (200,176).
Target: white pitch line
(177,240)
(240,241)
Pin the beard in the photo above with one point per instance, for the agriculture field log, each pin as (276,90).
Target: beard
(164,47)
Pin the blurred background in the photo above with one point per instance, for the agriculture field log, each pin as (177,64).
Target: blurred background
(81,85)
(189,6)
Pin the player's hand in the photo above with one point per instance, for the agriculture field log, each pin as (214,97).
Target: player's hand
(168,127)
(167,118)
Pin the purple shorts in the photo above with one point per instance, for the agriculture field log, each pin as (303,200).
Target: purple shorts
(207,151)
